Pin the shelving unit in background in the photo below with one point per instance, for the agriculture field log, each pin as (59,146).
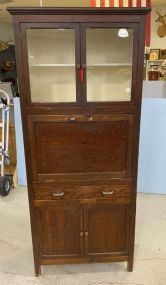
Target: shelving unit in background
(159,65)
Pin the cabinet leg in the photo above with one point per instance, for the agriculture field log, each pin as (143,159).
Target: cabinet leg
(130,264)
(37,270)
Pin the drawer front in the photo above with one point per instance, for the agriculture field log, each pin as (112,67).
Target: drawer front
(83,192)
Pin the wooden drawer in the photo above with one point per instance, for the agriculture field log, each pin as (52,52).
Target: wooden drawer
(82,192)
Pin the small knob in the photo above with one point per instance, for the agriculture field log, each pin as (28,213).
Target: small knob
(81,234)
(86,233)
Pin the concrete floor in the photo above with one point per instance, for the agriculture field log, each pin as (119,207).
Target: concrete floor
(16,263)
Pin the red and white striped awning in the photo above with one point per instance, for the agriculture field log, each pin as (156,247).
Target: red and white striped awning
(120,3)
(127,3)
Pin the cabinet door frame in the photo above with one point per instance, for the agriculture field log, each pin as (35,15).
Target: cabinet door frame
(27,89)
(64,206)
(135,27)
(113,205)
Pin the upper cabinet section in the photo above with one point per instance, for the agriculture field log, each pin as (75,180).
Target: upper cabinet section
(109,57)
(80,66)
(51,60)
(73,57)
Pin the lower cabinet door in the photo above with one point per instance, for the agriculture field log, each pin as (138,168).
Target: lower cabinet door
(60,231)
(106,230)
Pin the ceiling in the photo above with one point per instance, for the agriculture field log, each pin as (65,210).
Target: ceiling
(5,17)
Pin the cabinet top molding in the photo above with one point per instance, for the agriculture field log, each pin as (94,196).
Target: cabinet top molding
(78,11)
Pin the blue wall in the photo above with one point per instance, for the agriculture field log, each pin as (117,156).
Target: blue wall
(19,143)
(152,155)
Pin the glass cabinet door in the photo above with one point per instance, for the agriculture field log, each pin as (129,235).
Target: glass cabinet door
(52,64)
(58,58)
(109,54)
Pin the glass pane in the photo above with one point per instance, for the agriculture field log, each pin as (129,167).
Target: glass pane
(109,64)
(51,56)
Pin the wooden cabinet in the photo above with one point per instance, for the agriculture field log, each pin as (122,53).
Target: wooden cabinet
(80,79)
(79,231)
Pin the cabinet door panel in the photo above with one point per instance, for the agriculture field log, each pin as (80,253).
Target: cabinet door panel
(110,63)
(59,231)
(52,73)
(109,70)
(106,229)
(83,148)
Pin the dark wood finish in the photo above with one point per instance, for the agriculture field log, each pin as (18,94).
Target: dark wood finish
(76,11)
(82,174)
(136,140)
(60,231)
(111,258)
(60,145)
(82,192)
(109,225)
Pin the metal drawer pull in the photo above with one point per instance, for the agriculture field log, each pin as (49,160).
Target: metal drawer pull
(90,118)
(72,119)
(60,194)
(107,193)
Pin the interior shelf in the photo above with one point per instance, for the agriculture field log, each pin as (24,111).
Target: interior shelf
(52,65)
(73,65)
(109,64)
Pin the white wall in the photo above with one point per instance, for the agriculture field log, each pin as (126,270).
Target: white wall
(156,41)
(154,89)
(6,32)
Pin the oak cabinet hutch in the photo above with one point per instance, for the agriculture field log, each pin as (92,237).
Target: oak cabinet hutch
(80,79)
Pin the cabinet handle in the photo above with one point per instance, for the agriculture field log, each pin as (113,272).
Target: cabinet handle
(81,234)
(90,118)
(72,119)
(60,194)
(86,233)
(107,193)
